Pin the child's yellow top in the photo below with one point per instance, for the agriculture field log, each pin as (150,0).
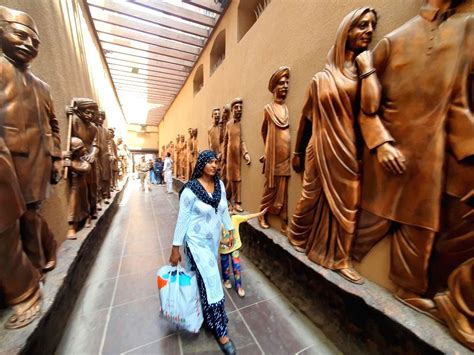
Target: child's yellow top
(236,220)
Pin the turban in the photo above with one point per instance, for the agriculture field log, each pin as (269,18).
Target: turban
(276,77)
(236,101)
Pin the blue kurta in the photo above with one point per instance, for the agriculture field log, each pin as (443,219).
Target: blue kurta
(199,226)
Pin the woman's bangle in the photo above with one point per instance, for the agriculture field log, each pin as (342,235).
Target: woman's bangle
(297,153)
(367,73)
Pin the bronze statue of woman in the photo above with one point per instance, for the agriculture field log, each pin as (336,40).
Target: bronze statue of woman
(324,221)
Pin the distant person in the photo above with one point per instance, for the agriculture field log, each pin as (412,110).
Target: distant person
(158,169)
(168,173)
(143,169)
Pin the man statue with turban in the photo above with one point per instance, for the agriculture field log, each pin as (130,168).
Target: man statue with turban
(30,130)
(214,131)
(276,161)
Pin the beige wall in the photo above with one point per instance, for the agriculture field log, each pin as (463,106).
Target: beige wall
(138,139)
(69,61)
(297,33)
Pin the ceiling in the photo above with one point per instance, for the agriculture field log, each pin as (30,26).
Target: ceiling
(150,47)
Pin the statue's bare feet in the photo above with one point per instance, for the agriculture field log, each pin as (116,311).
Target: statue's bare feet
(418,303)
(284,229)
(263,223)
(89,221)
(457,322)
(71,233)
(25,312)
(351,275)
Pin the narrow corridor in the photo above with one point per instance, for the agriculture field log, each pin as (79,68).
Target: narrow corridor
(118,309)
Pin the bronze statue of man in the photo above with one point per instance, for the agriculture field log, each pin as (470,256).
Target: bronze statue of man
(182,157)
(104,155)
(19,280)
(79,203)
(406,141)
(114,158)
(28,126)
(191,153)
(84,112)
(234,150)
(214,132)
(276,161)
(222,126)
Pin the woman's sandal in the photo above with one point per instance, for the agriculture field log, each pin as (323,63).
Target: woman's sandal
(25,313)
(228,348)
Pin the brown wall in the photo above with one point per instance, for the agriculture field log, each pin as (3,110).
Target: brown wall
(137,139)
(70,62)
(296,33)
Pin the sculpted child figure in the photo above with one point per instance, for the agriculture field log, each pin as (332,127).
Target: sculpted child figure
(325,218)
(276,161)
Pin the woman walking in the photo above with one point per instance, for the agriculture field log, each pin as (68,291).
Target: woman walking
(202,211)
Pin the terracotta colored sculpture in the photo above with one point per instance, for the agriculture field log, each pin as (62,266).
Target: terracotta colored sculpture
(234,150)
(19,280)
(29,127)
(276,161)
(191,152)
(79,208)
(174,155)
(324,221)
(406,142)
(454,257)
(123,154)
(182,157)
(214,132)
(115,158)
(222,126)
(104,156)
(163,152)
(83,112)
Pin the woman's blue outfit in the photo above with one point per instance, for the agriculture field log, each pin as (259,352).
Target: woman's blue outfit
(198,228)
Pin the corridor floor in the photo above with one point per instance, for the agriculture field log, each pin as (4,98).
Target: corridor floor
(118,309)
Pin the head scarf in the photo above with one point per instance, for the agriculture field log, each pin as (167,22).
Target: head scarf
(336,55)
(195,186)
(276,77)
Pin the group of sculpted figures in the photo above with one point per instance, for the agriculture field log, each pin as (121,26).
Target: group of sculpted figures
(386,146)
(93,162)
(184,154)
(31,160)
(225,139)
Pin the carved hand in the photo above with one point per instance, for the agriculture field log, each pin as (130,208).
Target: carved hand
(391,158)
(247,158)
(90,158)
(364,62)
(69,110)
(296,163)
(56,171)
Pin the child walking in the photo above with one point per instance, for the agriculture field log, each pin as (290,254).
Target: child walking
(231,254)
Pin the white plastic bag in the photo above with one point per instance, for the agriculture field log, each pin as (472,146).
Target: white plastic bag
(179,297)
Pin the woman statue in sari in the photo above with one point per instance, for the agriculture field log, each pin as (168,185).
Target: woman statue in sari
(327,147)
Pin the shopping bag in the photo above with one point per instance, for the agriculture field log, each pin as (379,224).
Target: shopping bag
(179,297)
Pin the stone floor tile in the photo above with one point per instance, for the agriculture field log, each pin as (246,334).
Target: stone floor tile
(141,262)
(83,334)
(135,286)
(96,296)
(257,288)
(281,329)
(134,324)
(165,346)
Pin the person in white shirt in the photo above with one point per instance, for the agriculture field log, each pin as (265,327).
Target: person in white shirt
(168,173)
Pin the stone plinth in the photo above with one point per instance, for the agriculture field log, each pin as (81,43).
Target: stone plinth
(359,319)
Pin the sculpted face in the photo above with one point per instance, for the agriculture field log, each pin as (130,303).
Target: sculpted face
(215,115)
(360,35)
(237,111)
(87,114)
(19,43)
(281,90)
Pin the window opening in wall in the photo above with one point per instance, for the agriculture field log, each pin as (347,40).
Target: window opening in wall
(248,13)
(217,51)
(198,81)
